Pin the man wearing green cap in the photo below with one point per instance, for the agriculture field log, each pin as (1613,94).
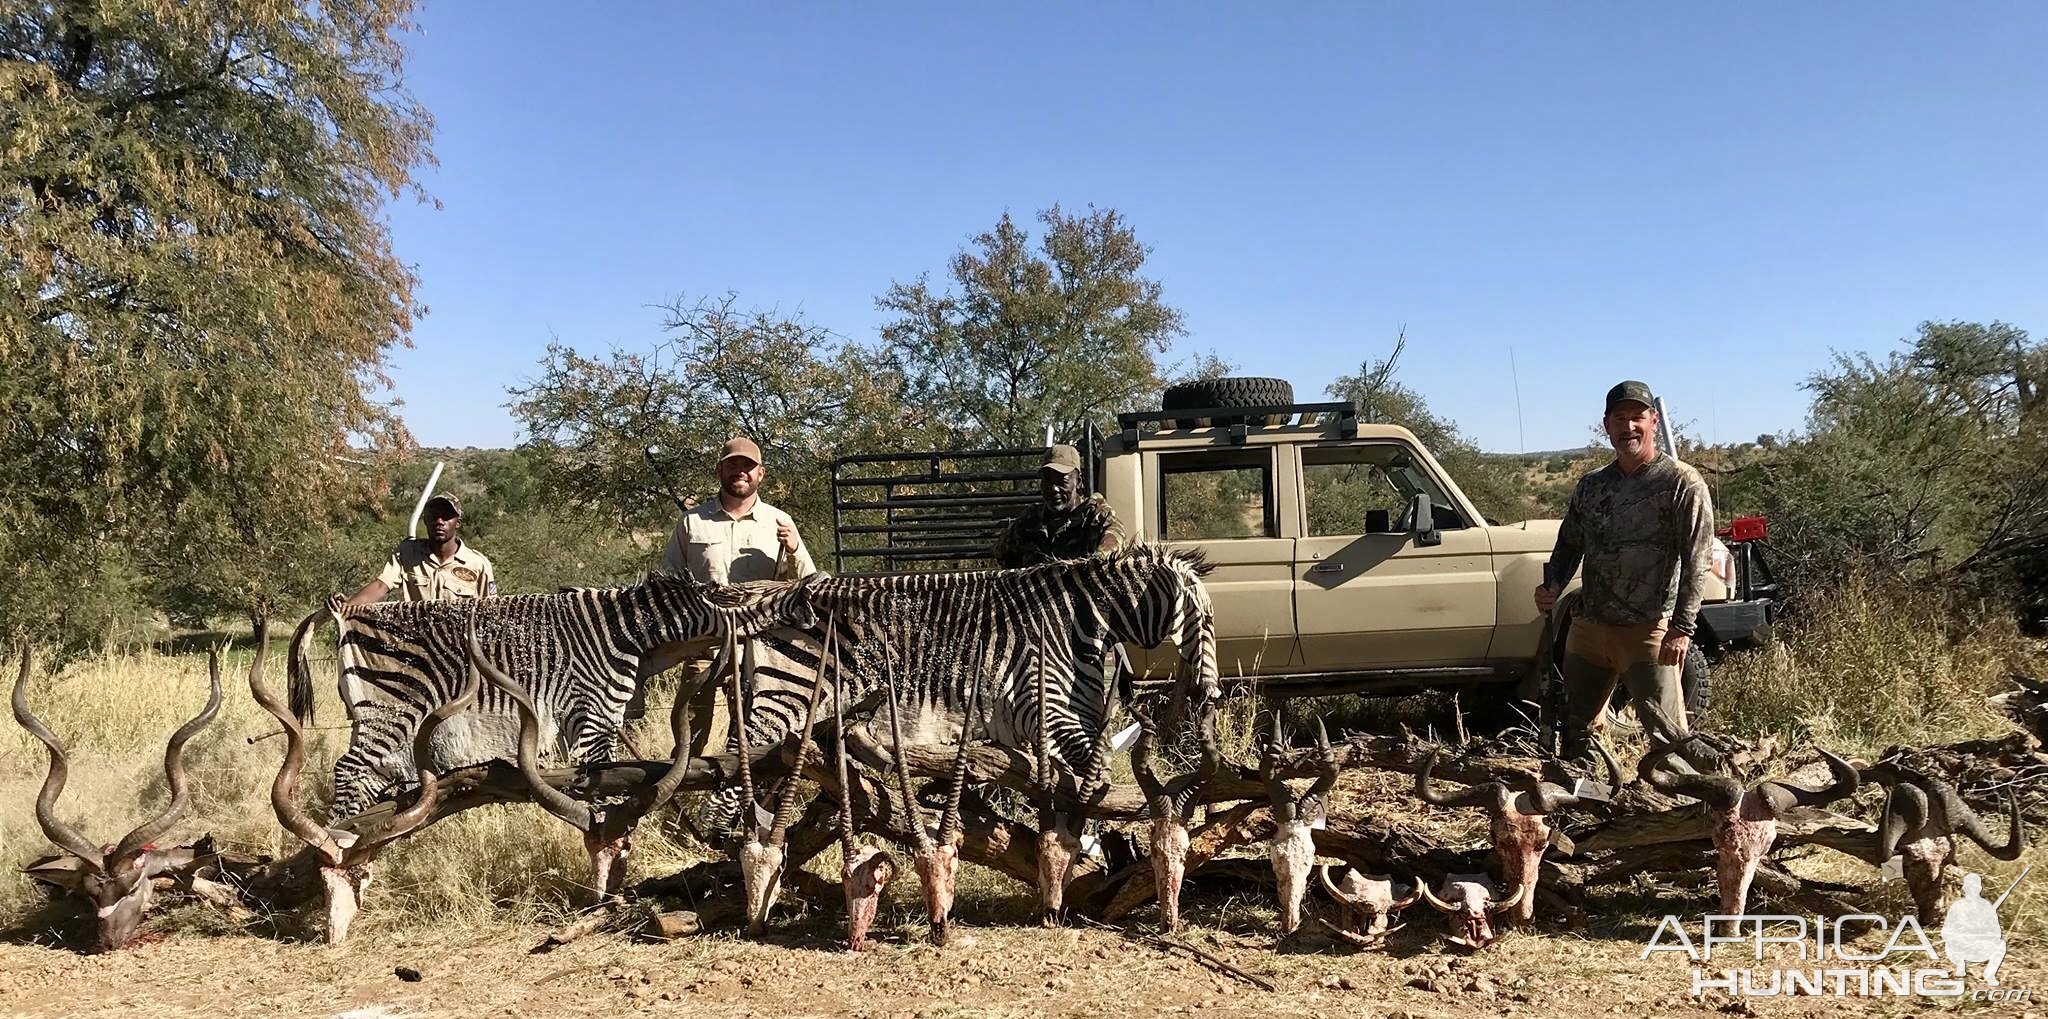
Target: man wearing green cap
(1064,524)
(439,567)
(1644,528)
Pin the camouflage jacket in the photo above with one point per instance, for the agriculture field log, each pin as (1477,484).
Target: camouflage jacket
(1039,535)
(1647,541)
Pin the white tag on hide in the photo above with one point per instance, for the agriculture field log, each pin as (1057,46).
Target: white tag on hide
(1091,846)
(763,819)
(1562,843)
(1894,869)
(1318,815)
(1124,739)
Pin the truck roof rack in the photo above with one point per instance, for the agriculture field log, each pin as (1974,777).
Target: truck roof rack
(935,509)
(1239,423)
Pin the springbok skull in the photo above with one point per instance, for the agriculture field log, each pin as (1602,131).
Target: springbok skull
(1172,805)
(119,879)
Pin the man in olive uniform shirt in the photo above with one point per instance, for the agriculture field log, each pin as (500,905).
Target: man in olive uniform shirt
(1644,527)
(437,568)
(1065,524)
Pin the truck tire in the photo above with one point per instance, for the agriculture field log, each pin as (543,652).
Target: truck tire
(1696,678)
(1234,391)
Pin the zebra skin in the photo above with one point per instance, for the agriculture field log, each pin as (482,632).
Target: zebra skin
(579,652)
(1039,643)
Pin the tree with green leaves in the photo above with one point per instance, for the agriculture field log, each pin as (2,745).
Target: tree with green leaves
(636,431)
(1061,333)
(197,293)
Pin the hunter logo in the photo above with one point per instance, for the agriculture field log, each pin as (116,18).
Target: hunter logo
(1816,956)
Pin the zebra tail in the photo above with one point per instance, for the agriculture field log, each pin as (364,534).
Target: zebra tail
(301,684)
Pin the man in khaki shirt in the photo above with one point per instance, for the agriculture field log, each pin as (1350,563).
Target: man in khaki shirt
(737,537)
(732,539)
(437,568)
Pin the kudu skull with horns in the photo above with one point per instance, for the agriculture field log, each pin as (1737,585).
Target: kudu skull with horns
(1519,820)
(118,879)
(1922,816)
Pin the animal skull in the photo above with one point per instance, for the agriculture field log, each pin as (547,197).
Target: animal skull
(1468,903)
(1366,903)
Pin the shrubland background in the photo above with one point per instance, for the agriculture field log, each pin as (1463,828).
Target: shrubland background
(198,296)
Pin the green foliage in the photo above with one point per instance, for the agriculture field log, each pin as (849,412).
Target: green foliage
(1500,490)
(1930,464)
(635,434)
(197,291)
(1059,336)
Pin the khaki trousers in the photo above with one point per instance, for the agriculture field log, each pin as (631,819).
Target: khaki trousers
(1596,656)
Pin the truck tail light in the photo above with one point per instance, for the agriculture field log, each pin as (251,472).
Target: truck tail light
(1744,529)
(1724,566)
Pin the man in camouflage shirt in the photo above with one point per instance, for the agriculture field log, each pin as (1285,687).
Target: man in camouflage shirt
(1065,524)
(1644,528)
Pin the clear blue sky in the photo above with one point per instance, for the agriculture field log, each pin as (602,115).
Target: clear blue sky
(1710,198)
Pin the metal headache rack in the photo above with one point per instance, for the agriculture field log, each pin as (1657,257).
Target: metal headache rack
(935,509)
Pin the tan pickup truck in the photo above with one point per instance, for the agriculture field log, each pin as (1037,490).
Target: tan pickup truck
(1346,558)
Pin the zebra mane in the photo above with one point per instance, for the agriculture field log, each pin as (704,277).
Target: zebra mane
(1193,559)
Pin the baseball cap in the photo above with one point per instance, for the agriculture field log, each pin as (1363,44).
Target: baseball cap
(740,446)
(445,500)
(1631,390)
(1062,458)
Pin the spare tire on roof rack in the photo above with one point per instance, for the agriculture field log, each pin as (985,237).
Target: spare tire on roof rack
(1231,391)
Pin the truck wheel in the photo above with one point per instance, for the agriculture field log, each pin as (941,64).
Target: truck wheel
(1696,678)
(1234,391)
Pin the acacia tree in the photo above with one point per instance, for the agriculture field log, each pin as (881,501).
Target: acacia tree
(1061,335)
(196,292)
(636,431)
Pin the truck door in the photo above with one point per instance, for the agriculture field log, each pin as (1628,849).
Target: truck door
(1368,594)
(1224,501)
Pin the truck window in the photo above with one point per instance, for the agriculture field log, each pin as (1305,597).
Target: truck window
(1344,486)
(1216,494)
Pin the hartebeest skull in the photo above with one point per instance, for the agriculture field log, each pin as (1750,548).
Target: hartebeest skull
(1519,820)
(346,856)
(1468,903)
(1172,805)
(1366,904)
(1745,821)
(118,879)
(1292,848)
(1921,817)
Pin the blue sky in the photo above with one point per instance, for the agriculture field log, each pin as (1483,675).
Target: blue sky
(1711,198)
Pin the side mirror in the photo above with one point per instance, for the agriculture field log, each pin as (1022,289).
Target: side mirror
(1422,516)
(1378,521)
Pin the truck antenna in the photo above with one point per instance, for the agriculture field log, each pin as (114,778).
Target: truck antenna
(1516,376)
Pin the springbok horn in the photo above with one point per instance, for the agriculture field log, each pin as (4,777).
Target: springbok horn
(949,821)
(1717,791)
(1905,810)
(911,817)
(785,802)
(1509,902)
(284,789)
(1285,807)
(1181,791)
(63,835)
(1141,757)
(1970,826)
(1783,796)
(174,755)
(579,815)
(406,821)
(1323,871)
(1430,897)
(1326,760)
(1485,794)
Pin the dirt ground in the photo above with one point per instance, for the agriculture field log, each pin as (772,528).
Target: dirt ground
(991,970)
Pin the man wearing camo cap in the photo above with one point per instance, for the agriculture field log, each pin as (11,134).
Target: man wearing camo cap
(1065,523)
(1644,528)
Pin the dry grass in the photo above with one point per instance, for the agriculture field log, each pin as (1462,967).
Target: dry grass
(1863,667)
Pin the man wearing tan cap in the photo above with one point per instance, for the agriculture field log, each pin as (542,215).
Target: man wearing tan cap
(1065,524)
(439,567)
(736,537)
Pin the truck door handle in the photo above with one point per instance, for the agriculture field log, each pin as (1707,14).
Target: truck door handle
(1327,568)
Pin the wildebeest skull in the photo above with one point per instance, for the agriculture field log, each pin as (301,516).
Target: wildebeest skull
(1921,817)
(1366,904)
(1469,902)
